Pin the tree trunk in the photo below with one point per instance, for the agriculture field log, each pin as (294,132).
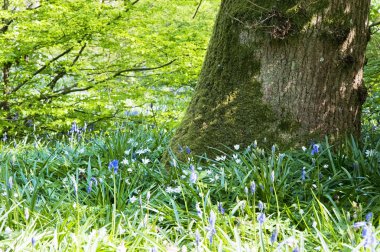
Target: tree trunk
(285,72)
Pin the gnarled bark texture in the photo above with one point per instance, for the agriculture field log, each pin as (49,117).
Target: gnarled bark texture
(284,72)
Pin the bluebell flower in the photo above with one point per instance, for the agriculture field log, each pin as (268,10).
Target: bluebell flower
(89,187)
(315,149)
(114,165)
(188,151)
(33,241)
(369,237)
(369,216)
(74,128)
(273,237)
(199,210)
(291,241)
(261,206)
(296,249)
(180,149)
(10,182)
(211,227)
(273,148)
(220,208)
(303,174)
(261,218)
(360,224)
(197,238)
(252,187)
(193,177)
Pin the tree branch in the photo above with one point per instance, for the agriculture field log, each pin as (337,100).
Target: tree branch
(141,69)
(62,73)
(374,24)
(196,11)
(40,70)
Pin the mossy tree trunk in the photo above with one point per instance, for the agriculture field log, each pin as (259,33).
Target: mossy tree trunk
(285,72)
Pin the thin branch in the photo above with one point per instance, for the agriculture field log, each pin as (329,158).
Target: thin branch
(196,11)
(64,92)
(374,24)
(60,74)
(40,70)
(120,72)
(79,54)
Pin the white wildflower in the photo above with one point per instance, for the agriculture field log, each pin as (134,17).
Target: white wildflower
(145,161)
(133,199)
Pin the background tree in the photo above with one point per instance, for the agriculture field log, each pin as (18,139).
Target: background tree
(92,61)
(283,72)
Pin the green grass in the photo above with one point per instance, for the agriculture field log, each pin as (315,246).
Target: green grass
(311,201)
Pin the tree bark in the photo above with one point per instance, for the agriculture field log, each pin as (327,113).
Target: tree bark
(285,72)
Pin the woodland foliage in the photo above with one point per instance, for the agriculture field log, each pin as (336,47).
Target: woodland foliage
(94,62)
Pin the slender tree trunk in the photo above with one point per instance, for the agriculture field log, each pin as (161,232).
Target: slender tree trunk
(285,72)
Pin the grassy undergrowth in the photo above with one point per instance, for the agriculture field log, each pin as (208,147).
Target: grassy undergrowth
(110,192)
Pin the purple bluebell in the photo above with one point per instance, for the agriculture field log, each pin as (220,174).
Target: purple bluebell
(180,149)
(193,177)
(33,241)
(74,128)
(261,218)
(89,187)
(220,208)
(360,224)
(369,238)
(197,238)
(261,206)
(211,227)
(188,151)
(10,182)
(369,216)
(303,174)
(315,149)
(273,148)
(296,249)
(252,187)
(273,237)
(199,210)
(114,165)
